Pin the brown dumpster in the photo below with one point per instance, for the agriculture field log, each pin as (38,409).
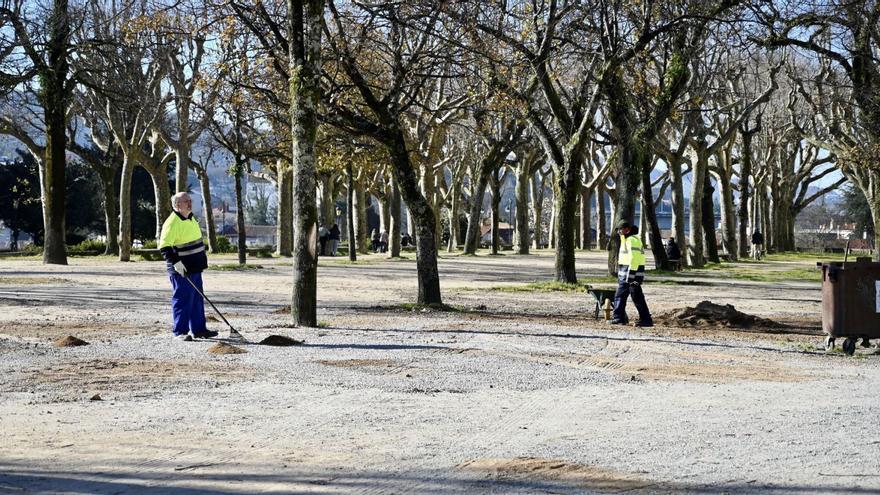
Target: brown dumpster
(850,302)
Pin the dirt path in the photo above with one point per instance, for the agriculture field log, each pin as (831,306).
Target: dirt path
(519,392)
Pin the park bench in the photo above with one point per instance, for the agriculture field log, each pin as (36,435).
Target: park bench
(600,295)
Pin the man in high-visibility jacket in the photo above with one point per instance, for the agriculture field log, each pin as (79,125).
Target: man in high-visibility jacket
(630,275)
(182,247)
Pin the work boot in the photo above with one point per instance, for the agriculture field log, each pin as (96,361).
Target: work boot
(866,343)
(644,324)
(204,334)
(183,337)
(619,322)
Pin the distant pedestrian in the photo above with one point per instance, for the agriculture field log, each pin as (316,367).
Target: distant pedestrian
(757,245)
(323,237)
(383,241)
(673,253)
(334,239)
(405,239)
(374,241)
(630,275)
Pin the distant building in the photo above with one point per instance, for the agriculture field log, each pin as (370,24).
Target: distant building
(255,235)
(505,233)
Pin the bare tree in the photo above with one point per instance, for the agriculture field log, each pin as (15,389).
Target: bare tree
(843,37)
(385,54)
(44,37)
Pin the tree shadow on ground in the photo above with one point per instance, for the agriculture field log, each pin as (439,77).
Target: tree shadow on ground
(200,480)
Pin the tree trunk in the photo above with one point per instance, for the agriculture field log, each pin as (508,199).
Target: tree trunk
(644,235)
(708,222)
(181,155)
(350,216)
(695,241)
(429,190)
(394,214)
(284,241)
(601,221)
(586,217)
(111,210)
(678,204)
(766,220)
(495,185)
(566,192)
(362,237)
(239,207)
(125,208)
(649,214)
(423,216)
(382,203)
(54,93)
(328,201)
(728,217)
(162,193)
(453,212)
(522,209)
(210,225)
(744,175)
(472,237)
(554,213)
(538,210)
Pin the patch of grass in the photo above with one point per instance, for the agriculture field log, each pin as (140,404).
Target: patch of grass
(769,275)
(809,347)
(811,256)
(17,256)
(552,286)
(426,307)
(323,324)
(754,272)
(664,273)
(235,267)
(346,261)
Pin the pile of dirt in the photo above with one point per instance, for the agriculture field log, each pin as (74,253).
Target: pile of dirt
(70,341)
(707,313)
(224,348)
(280,341)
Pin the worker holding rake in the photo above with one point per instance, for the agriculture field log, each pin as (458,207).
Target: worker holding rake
(182,247)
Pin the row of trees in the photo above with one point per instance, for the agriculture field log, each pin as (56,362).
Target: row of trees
(424,102)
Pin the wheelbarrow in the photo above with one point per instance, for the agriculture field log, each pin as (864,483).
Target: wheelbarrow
(600,295)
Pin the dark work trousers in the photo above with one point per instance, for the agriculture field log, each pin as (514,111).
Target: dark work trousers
(187,305)
(624,290)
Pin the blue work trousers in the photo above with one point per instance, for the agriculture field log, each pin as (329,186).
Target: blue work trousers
(187,305)
(624,290)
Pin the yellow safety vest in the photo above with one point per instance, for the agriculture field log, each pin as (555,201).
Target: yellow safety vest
(177,232)
(181,240)
(631,252)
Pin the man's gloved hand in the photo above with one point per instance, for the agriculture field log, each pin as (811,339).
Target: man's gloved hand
(180,269)
(634,283)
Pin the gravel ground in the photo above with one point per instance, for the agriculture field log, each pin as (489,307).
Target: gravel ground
(517,392)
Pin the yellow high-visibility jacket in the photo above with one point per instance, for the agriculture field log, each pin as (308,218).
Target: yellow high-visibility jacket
(181,240)
(631,252)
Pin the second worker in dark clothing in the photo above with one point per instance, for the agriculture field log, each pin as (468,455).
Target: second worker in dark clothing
(630,275)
